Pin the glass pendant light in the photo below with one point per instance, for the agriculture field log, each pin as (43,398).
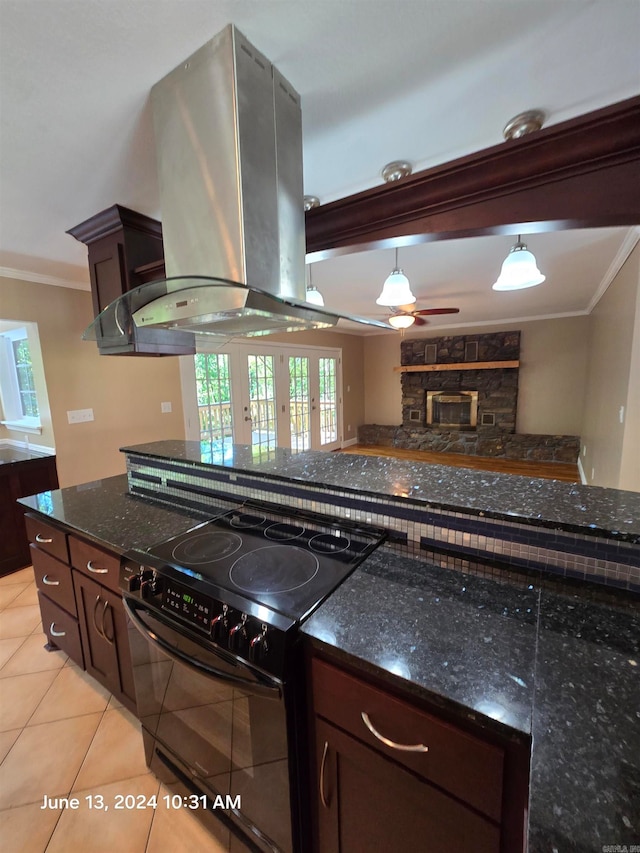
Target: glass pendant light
(519,270)
(314,297)
(402,321)
(396,289)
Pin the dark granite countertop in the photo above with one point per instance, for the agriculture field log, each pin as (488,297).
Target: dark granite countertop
(518,657)
(527,657)
(105,512)
(590,510)
(15,455)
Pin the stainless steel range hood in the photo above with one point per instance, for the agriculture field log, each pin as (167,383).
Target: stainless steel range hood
(228,133)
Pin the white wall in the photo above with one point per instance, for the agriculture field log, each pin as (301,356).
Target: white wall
(551,382)
(613,381)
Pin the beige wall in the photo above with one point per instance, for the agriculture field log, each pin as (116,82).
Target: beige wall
(551,382)
(124,393)
(353,391)
(613,380)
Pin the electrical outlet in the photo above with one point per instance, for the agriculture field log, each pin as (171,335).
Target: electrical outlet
(621,414)
(165,408)
(593,473)
(584,449)
(80,416)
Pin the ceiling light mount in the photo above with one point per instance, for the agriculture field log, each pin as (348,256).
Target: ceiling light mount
(311,201)
(524,123)
(396,170)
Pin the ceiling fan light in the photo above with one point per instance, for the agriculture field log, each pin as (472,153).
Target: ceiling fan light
(314,297)
(519,270)
(402,321)
(396,290)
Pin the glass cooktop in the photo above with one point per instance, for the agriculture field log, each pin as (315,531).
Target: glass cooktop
(288,563)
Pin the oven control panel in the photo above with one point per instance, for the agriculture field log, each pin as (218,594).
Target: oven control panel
(189,605)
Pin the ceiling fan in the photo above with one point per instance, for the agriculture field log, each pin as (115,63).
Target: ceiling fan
(402,316)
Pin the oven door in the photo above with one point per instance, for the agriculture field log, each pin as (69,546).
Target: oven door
(224,720)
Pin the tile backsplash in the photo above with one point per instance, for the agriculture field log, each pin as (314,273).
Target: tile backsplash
(451,539)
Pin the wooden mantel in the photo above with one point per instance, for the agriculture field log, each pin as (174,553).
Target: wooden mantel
(467,365)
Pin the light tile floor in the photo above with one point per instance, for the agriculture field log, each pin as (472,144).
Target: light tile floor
(63,734)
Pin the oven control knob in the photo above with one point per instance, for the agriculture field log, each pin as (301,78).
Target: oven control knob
(238,633)
(149,583)
(258,646)
(132,581)
(220,623)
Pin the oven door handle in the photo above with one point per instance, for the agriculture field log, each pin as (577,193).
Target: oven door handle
(269,688)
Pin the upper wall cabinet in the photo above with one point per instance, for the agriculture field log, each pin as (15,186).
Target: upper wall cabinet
(125,250)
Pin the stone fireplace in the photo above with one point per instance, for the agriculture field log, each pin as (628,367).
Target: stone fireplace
(460,395)
(462,382)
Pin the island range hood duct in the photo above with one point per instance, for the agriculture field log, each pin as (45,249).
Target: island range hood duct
(228,133)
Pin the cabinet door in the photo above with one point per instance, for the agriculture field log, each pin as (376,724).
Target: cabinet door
(367,802)
(104,637)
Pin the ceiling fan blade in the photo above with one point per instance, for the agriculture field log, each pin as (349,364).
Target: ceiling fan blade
(426,311)
(418,321)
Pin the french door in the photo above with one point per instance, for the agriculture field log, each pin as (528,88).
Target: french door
(269,396)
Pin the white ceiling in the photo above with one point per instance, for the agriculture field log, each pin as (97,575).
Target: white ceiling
(422,80)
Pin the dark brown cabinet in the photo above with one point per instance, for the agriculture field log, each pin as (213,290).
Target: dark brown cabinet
(125,250)
(104,637)
(17,480)
(81,606)
(390,775)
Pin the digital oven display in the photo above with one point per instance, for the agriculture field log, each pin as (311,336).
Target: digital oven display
(194,608)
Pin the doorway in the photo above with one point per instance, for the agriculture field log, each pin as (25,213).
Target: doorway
(266,396)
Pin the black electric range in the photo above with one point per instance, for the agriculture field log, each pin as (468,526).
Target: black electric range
(251,575)
(213,618)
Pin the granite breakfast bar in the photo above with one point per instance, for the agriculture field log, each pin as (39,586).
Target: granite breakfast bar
(537,655)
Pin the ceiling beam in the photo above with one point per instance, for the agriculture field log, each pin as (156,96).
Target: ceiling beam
(581,173)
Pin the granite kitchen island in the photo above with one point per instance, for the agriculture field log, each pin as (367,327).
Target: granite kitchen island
(543,657)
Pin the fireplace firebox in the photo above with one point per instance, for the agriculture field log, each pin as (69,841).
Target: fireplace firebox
(452,410)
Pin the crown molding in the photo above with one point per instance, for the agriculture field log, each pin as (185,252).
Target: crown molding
(38,278)
(628,245)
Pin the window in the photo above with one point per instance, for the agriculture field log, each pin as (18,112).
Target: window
(24,373)
(17,385)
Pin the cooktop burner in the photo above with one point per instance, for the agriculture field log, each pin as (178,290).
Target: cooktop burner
(256,553)
(274,569)
(327,543)
(284,531)
(206,548)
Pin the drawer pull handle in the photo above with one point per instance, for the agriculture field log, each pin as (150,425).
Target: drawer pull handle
(96,570)
(323,799)
(405,747)
(45,580)
(55,633)
(42,540)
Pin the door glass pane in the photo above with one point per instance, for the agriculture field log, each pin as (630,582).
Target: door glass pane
(262,398)
(213,388)
(328,401)
(299,403)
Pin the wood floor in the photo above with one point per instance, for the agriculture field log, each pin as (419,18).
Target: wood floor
(548,470)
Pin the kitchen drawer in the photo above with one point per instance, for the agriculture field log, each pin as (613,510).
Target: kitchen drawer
(46,537)
(464,765)
(92,561)
(61,628)
(53,579)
